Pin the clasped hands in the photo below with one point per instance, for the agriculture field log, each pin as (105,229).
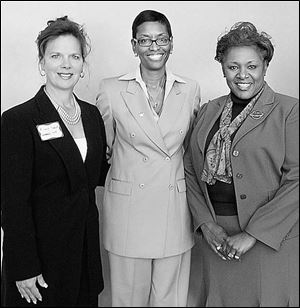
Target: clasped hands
(227,247)
(29,290)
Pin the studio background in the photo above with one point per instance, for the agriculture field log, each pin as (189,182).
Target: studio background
(196,25)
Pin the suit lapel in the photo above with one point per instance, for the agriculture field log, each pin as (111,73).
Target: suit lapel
(259,113)
(213,112)
(171,109)
(137,104)
(65,146)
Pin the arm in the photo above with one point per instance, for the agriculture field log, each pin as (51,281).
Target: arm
(104,106)
(271,223)
(104,165)
(203,220)
(194,112)
(19,242)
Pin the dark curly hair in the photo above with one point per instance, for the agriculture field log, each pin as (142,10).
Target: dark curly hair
(150,15)
(245,34)
(62,26)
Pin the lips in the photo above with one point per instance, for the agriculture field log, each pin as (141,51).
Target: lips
(156,57)
(243,86)
(65,76)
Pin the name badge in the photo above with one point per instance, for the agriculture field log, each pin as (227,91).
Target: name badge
(49,131)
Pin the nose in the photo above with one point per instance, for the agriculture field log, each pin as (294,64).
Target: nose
(154,46)
(66,62)
(243,74)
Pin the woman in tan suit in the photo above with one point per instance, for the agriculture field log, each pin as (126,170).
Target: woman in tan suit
(147,224)
(242,182)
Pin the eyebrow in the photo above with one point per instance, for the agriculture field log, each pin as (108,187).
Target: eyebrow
(149,35)
(251,61)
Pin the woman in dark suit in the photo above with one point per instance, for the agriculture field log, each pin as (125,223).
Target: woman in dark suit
(52,159)
(242,179)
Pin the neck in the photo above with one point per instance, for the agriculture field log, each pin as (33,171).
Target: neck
(63,98)
(153,78)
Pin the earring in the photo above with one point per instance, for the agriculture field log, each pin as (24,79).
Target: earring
(81,74)
(135,54)
(42,73)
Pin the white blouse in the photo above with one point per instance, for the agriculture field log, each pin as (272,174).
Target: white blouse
(82,146)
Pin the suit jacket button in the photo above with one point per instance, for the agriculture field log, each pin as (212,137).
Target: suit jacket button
(243,196)
(235,153)
(239,175)
(132,135)
(142,185)
(167,158)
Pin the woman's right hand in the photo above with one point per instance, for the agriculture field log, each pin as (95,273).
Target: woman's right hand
(215,236)
(29,290)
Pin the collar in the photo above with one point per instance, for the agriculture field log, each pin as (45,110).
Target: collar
(137,76)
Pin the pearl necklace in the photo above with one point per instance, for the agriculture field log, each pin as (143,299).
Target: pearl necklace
(71,120)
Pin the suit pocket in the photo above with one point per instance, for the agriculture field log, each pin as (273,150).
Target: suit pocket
(181,186)
(120,187)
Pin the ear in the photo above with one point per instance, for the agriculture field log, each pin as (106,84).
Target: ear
(42,64)
(266,65)
(134,47)
(171,44)
(223,70)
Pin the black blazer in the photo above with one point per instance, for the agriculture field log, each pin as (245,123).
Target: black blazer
(49,214)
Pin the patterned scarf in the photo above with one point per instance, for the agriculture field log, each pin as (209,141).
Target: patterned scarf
(217,165)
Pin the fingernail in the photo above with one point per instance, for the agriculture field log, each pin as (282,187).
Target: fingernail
(28,300)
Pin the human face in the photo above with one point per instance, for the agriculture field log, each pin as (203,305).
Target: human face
(244,69)
(62,62)
(154,57)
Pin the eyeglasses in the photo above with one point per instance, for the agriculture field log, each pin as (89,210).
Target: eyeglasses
(147,42)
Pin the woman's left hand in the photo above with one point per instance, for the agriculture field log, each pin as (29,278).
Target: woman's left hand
(237,245)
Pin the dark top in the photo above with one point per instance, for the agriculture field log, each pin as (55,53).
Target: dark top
(221,194)
(49,211)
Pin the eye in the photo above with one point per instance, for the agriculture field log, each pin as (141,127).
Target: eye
(252,67)
(233,67)
(76,57)
(143,41)
(55,56)
(163,40)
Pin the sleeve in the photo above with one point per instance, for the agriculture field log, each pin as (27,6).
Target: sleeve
(105,108)
(104,165)
(196,100)
(20,254)
(195,196)
(272,223)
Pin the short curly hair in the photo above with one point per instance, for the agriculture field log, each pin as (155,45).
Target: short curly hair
(62,26)
(245,34)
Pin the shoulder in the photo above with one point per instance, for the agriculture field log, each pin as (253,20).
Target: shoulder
(286,100)
(20,112)
(189,82)
(113,81)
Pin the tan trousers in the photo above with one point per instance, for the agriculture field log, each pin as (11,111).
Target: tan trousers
(138,282)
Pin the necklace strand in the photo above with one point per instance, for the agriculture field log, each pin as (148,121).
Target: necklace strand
(156,103)
(71,120)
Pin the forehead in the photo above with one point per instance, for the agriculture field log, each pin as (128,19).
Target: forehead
(243,53)
(64,43)
(149,28)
